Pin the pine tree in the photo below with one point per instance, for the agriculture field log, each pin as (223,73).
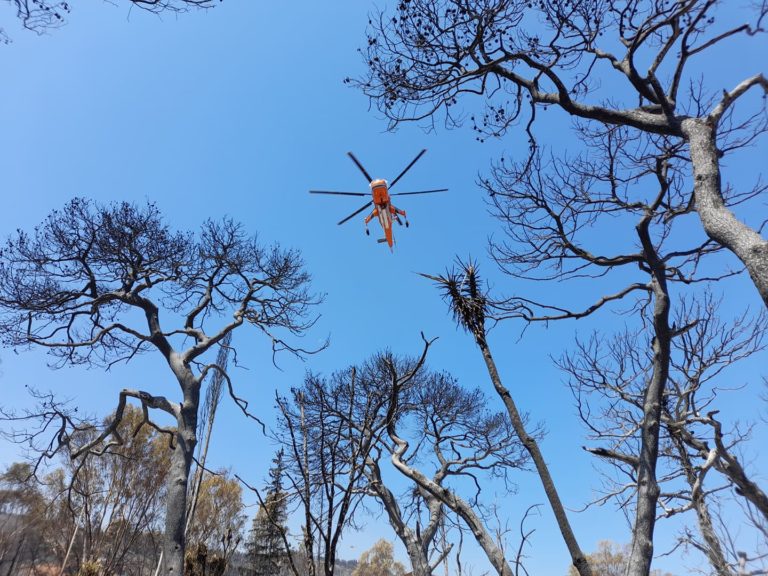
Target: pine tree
(267,554)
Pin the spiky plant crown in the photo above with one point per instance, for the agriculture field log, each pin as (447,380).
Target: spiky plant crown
(462,289)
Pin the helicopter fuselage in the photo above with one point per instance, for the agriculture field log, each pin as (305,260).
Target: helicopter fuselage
(383,210)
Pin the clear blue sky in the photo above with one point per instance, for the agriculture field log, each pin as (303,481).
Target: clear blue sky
(239,111)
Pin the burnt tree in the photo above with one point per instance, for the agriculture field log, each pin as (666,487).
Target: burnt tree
(39,16)
(698,459)
(641,64)
(432,431)
(553,211)
(99,284)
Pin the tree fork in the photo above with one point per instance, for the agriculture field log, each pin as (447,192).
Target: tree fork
(719,222)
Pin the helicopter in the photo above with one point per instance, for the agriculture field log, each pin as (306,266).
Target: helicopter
(383,209)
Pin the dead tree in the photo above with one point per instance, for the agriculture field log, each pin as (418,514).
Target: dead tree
(552,211)
(331,431)
(468,301)
(323,466)
(696,434)
(451,428)
(40,16)
(90,283)
(402,456)
(630,63)
(451,431)
(361,399)
(608,376)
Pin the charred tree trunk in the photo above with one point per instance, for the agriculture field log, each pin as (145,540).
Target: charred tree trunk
(578,558)
(641,554)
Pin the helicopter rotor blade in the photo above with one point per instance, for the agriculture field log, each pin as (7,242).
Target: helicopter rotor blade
(419,155)
(355,213)
(420,192)
(360,166)
(339,193)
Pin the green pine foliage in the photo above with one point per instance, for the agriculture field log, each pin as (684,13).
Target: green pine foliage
(266,548)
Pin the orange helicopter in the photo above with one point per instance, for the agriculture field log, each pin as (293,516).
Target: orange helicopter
(383,208)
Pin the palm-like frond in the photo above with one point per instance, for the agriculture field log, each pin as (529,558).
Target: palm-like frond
(463,290)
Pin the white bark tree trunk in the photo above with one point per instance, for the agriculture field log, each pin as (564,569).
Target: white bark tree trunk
(417,548)
(475,524)
(718,220)
(178,475)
